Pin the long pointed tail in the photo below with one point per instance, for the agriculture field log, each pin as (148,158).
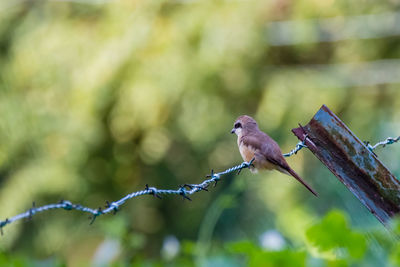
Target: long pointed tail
(298,178)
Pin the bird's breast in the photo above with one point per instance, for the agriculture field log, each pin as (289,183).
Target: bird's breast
(247,152)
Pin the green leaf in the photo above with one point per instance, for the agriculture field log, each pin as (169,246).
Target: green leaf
(334,234)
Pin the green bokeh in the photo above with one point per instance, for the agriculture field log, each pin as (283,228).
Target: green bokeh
(98,99)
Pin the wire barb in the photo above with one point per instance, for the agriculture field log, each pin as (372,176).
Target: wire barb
(152,191)
(182,192)
(66,205)
(94,216)
(112,206)
(32,211)
(2,224)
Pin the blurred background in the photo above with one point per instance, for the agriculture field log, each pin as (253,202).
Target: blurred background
(99,98)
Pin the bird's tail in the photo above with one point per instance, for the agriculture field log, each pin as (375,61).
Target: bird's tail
(298,178)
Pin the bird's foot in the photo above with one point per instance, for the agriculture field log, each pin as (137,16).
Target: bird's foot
(247,165)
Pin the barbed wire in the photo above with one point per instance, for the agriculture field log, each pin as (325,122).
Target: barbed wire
(183,190)
(387,141)
(298,147)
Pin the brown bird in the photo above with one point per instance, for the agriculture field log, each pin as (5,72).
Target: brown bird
(253,143)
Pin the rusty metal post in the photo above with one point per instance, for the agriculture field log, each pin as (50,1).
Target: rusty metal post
(352,163)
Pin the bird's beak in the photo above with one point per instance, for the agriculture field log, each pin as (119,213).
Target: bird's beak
(233,131)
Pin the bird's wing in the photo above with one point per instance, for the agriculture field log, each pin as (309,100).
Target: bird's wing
(266,147)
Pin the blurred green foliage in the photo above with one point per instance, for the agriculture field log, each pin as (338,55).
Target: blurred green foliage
(333,233)
(259,257)
(98,99)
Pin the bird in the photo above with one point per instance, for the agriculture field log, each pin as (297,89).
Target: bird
(255,144)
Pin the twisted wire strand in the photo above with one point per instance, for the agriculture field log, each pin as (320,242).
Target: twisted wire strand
(297,148)
(387,141)
(184,190)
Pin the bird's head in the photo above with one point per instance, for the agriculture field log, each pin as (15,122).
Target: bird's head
(242,124)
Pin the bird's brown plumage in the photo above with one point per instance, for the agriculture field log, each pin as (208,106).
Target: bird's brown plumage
(254,143)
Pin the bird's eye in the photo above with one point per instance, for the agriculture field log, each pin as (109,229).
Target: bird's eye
(237,125)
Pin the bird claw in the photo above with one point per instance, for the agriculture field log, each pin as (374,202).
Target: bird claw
(247,165)
(251,162)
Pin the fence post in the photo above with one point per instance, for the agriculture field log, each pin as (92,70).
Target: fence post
(349,159)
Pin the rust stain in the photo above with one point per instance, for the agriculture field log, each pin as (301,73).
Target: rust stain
(360,170)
